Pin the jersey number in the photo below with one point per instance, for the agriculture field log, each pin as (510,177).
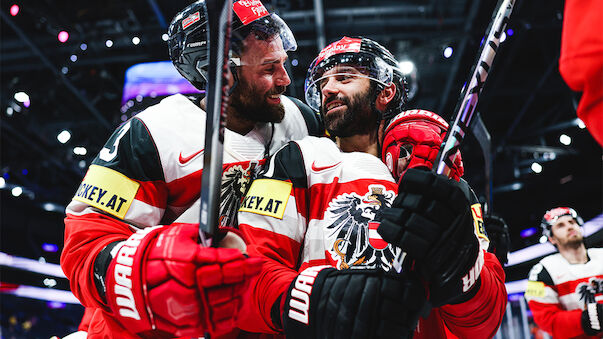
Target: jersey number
(105,154)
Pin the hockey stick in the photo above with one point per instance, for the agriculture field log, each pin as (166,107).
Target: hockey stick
(469,97)
(219,18)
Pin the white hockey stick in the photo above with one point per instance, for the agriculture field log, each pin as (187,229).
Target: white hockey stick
(469,97)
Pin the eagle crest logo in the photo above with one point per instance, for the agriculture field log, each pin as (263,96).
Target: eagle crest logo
(236,180)
(589,291)
(351,236)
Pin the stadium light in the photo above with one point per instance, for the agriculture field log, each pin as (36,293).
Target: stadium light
(565,139)
(63,36)
(14,10)
(64,136)
(536,167)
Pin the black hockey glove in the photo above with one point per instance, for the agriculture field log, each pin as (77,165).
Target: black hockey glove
(592,319)
(323,302)
(498,233)
(431,221)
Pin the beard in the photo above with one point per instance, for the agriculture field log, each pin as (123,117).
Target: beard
(574,241)
(249,103)
(358,118)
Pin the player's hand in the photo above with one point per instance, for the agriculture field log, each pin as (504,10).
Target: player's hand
(431,221)
(592,319)
(162,283)
(323,302)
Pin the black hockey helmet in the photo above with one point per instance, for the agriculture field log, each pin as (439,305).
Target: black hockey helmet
(551,217)
(378,63)
(187,36)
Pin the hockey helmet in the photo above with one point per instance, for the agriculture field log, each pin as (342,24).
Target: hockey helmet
(551,216)
(188,40)
(378,64)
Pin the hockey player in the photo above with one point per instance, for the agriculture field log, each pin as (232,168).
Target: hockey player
(137,278)
(314,214)
(565,289)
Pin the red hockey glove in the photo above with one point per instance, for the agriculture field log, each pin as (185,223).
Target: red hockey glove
(431,221)
(162,283)
(323,302)
(592,319)
(412,140)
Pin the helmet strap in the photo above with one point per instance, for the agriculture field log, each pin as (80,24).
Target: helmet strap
(235,77)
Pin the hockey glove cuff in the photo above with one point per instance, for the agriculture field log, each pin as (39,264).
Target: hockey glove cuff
(323,302)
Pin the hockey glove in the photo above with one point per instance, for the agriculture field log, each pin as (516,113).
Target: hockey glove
(323,302)
(592,319)
(431,221)
(498,233)
(162,283)
(412,139)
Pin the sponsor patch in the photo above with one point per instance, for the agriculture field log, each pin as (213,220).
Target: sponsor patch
(190,20)
(267,197)
(478,221)
(535,289)
(107,190)
(345,45)
(249,10)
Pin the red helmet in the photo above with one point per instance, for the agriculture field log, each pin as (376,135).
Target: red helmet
(416,135)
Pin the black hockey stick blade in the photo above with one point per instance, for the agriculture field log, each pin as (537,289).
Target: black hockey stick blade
(219,18)
(469,97)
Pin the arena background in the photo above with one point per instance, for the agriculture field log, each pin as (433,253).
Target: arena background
(541,155)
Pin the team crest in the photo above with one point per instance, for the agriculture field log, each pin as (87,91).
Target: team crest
(236,180)
(351,237)
(591,291)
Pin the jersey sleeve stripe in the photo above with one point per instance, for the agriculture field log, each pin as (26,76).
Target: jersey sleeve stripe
(153,193)
(569,287)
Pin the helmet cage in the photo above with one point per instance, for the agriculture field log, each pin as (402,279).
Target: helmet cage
(370,65)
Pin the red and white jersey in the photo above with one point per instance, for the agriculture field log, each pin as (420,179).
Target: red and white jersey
(149,173)
(315,205)
(558,292)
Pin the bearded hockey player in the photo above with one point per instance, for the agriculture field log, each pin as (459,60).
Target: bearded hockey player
(138,272)
(565,289)
(314,214)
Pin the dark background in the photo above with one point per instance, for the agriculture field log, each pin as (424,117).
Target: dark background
(525,105)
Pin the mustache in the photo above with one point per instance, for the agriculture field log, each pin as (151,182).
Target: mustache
(278,90)
(333,98)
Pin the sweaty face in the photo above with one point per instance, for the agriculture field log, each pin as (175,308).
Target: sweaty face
(346,102)
(566,232)
(262,80)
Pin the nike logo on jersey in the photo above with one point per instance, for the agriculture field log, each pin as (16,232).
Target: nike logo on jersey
(322,168)
(184,160)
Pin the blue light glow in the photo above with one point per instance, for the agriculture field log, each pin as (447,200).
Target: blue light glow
(50,247)
(528,232)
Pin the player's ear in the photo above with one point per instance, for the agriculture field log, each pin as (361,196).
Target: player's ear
(552,240)
(385,96)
